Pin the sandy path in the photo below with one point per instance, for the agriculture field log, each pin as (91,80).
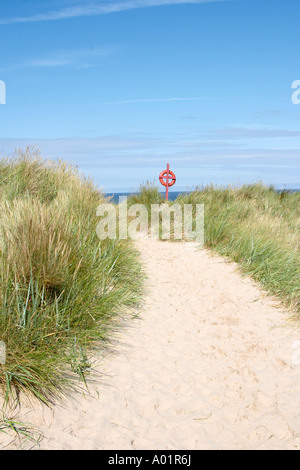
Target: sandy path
(209,364)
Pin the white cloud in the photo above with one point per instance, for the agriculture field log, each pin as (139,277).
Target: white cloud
(121,163)
(124,161)
(95,9)
(254,133)
(79,58)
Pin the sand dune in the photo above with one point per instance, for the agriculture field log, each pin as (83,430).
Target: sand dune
(210,363)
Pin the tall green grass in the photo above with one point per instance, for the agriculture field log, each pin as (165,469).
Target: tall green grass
(147,194)
(61,288)
(257,227)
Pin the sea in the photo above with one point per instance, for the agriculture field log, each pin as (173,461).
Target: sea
(174,194)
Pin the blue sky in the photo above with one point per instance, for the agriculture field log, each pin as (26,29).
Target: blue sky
(121,87)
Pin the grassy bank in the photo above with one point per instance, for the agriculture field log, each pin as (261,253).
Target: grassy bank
(255,226)
(60,286)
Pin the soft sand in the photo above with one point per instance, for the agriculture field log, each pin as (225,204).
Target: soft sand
(208,364)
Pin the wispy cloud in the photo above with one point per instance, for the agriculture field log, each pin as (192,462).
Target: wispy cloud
(122,161)
(155,100)
(254,133)
(95,9)
(79,58)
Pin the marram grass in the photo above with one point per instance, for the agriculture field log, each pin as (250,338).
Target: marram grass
(60,286)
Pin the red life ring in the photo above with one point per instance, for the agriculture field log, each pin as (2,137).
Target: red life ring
(163,174)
